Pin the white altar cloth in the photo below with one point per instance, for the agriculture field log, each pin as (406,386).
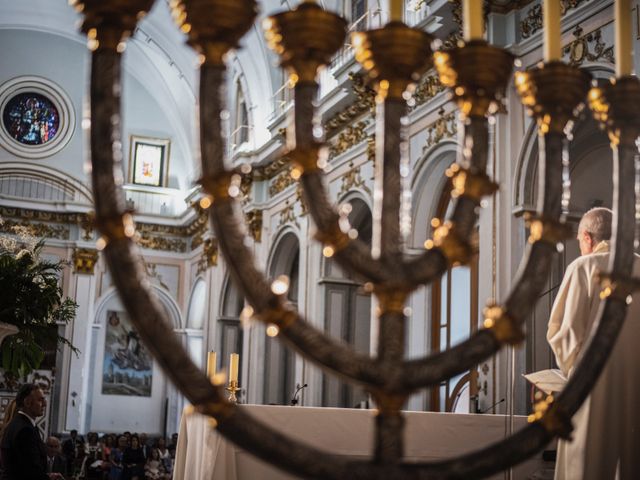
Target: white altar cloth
(203,454)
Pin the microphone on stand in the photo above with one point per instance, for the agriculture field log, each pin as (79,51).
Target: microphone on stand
(294,399)
(494,405)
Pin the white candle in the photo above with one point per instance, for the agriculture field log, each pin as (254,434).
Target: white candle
(211,364)
(551,19)
(622,13)
(233,367)
(472,20)
(396,10)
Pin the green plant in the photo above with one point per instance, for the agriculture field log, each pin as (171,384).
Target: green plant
(31,299)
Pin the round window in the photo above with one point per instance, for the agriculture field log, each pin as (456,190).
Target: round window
(37,117)
(31,118)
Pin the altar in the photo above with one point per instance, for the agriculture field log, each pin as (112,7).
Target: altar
(203,454)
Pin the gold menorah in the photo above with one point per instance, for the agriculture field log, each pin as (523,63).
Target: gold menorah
(477,74)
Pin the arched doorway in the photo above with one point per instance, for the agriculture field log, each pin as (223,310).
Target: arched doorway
(347,312)
(229,330)
(279,360)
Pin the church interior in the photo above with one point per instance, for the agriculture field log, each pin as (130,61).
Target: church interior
(302,311)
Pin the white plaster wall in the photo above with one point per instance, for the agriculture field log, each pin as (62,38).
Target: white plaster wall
(62,61)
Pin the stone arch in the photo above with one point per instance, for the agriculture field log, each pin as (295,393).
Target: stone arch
(426,187)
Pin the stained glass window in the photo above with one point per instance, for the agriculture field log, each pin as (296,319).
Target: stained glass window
(31,118)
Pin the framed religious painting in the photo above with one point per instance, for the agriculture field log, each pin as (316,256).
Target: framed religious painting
(149,161)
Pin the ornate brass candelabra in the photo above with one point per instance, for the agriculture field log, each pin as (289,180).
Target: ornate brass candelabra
(477,74)
(233,390)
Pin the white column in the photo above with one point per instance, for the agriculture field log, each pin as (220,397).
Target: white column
(77,390)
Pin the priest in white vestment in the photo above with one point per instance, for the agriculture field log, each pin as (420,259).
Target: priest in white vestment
(606,435)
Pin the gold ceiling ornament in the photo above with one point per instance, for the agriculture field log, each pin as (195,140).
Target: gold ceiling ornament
(394,57)
(84,260)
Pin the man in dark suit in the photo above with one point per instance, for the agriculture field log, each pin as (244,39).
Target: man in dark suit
(23,451)
(56,463)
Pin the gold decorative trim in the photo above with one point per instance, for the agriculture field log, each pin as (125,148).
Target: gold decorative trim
(533,19)
(287,215)
(209,256)
(580,49)
(428,87)
(38,230)
(365,102)
(349,138)
(281,182)
(84,260)
(254,223)
(353,179)
(444,127)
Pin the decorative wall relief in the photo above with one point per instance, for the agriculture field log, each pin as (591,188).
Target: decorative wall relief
(84,260)
(281,182)
(588,47)
(533,19)
(287,215)
(365,102)
(209,256)
(428,87)
(352,179)
(348,138)
(128,367)
(254,224)
(444,127)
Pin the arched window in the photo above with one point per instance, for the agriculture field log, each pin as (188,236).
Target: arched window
(347,314)
(359,15)
(279,375)
(454,317)
(195,321)
(229,329)
(240,132)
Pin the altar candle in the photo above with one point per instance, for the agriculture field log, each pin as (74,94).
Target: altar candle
(551,18)
(472,20)
(211,364)
(396,10)
(233,367)
(622,14)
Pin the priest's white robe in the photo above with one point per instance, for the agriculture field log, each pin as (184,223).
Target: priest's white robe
(606,436)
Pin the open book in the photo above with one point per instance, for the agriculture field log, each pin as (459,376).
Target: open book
(548,381)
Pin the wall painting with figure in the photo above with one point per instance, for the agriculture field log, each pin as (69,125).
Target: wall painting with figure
(127,368)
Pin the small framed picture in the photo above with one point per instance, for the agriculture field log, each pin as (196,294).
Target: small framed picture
(149,160)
